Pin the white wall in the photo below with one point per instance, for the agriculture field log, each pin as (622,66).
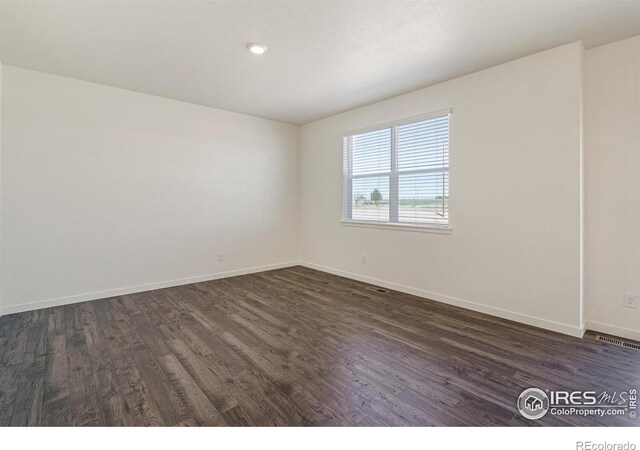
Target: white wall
(1,69)
(514,250)
(612,134)
(105,190)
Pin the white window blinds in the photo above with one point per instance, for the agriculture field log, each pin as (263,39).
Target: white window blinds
(398,174)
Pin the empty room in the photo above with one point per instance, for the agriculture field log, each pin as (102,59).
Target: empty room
(344,215)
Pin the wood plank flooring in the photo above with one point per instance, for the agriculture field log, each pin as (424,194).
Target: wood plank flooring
(288,347)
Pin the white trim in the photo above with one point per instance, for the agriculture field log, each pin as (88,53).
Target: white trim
(613,330)
(139,288)
(466,304)
(505,314)
(404,121)
(398,226)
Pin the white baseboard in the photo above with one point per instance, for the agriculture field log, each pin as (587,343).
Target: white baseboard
(498,312)
(466,304)
(139,288)
(613,330)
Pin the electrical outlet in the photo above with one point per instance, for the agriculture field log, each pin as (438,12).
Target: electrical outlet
(630,300)
(363,260)
(220,257)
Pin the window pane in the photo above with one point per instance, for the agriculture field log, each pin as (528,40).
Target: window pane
(346,180)
(371,152)
(424,198)
(424,145)
(371,199)
(410,161)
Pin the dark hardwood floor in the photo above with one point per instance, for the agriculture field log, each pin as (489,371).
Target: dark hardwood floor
(289,347)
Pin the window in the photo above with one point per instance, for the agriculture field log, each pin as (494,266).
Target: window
(398,174)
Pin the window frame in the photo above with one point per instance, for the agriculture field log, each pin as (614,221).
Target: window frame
(393,176)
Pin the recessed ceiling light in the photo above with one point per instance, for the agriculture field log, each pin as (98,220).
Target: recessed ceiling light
(256,49)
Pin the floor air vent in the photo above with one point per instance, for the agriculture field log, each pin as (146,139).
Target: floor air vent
(378,289)
(618,342)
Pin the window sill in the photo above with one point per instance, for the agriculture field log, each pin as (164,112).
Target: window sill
(438,229)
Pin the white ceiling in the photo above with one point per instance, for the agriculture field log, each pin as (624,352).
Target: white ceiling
(324,56)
